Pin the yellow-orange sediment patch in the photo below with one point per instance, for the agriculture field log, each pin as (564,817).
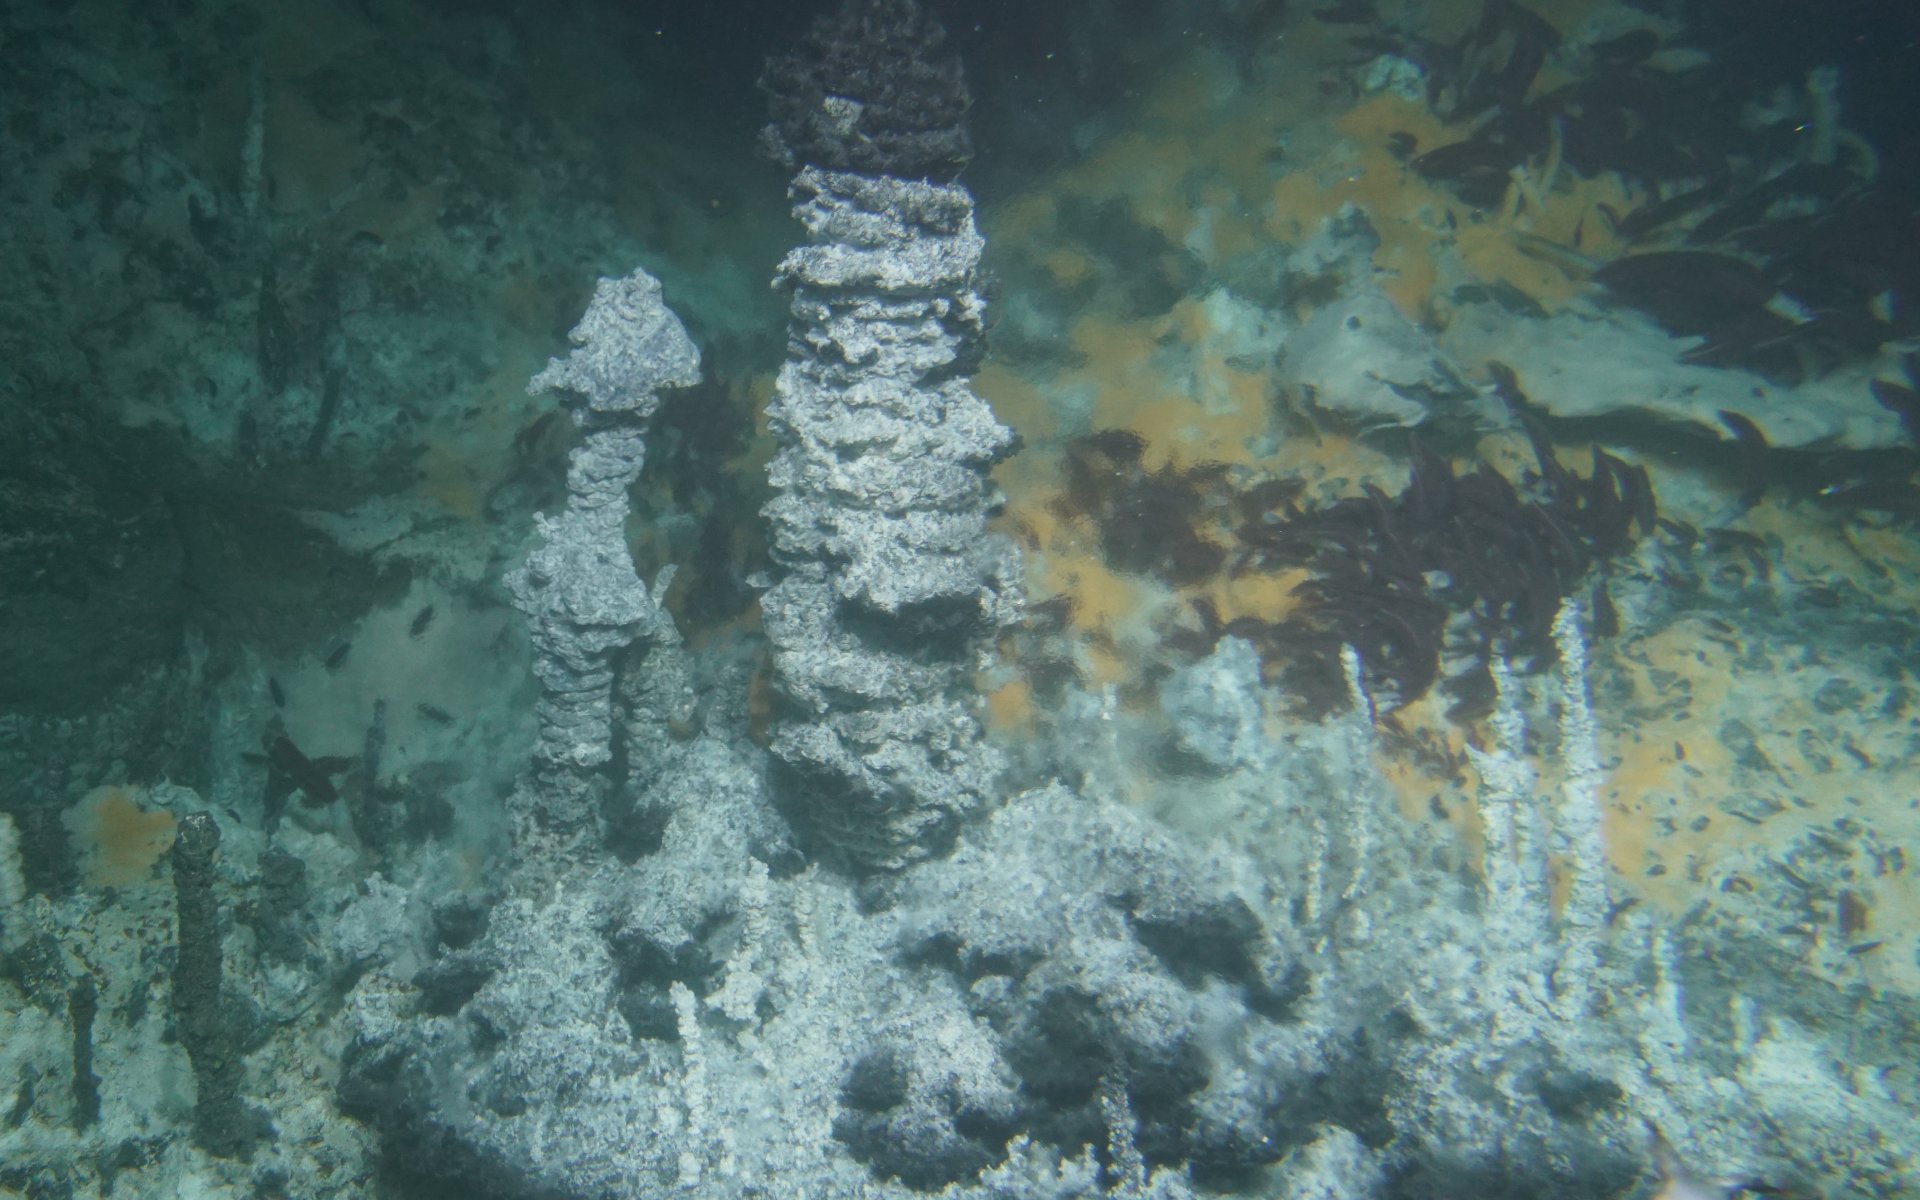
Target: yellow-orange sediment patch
(1010,706)
(118,841)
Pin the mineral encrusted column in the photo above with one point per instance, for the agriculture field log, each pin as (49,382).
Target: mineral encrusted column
(893,587)
(578,589)
(222,1124)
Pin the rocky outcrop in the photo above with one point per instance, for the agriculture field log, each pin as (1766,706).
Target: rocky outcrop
(578,588)
(893,587)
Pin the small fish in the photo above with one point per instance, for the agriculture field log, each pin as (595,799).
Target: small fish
(439,716)
(421,620)
(1629,47)
(1902,402)
(338,657)
(313,776)
(1852,914)
(527,441)
(1348,12)
(1679,531)
(1606,618)
(1896,498)
(1753,447)
(276,693)
(1268,497)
